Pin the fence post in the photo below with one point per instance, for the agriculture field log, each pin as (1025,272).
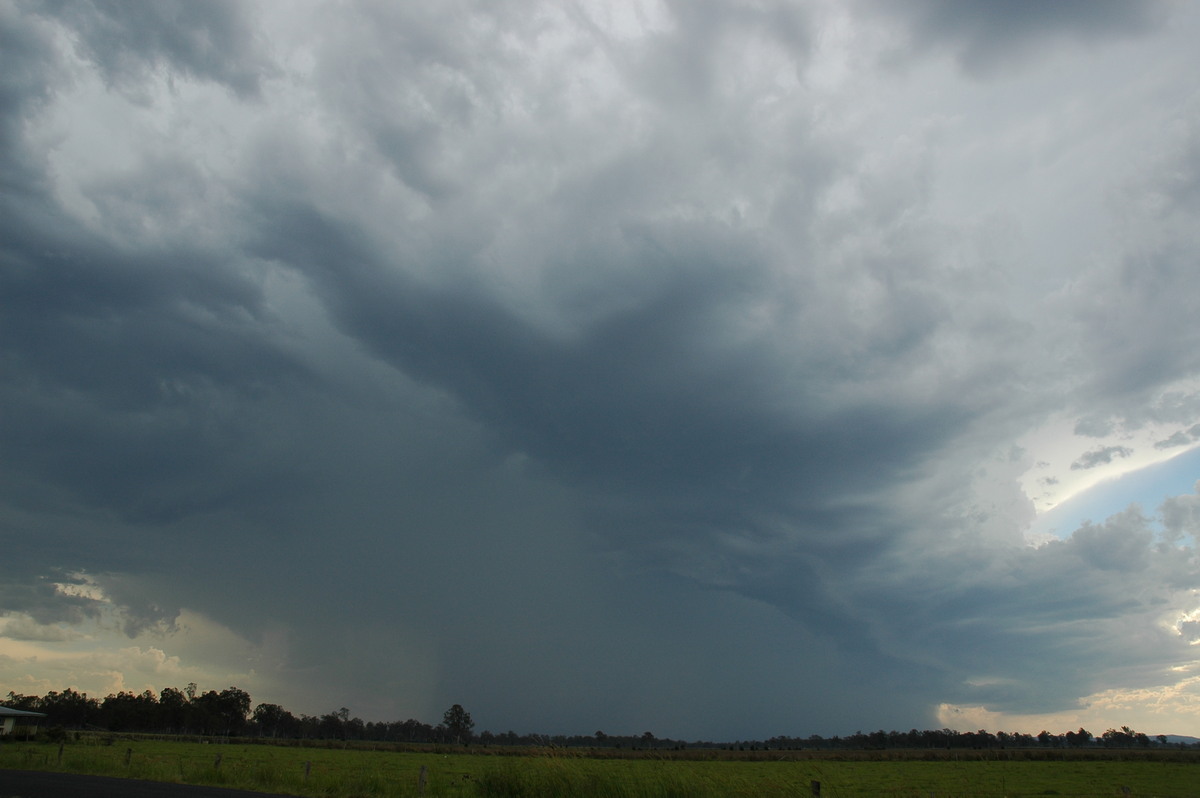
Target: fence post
(422,779)
(128,756)
(307,770)
(816,789)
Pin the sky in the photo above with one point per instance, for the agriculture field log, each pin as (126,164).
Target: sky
(716,369)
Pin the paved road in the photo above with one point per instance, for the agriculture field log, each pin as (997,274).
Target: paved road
(40,784)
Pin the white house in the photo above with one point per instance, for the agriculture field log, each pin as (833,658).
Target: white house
(11,719)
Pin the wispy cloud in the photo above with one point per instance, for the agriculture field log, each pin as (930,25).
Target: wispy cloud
(1103,455)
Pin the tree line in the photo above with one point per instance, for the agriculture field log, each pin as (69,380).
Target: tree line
(228,713)
(1124,737)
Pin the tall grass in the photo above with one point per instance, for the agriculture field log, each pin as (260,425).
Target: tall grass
(289,771)
(331,773)
(553,777)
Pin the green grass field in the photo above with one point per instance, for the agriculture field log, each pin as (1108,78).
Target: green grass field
(341,773)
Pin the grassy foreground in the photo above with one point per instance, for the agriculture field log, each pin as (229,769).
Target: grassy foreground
(342,773)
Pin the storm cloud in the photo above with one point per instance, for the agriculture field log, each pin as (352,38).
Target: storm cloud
(623,366)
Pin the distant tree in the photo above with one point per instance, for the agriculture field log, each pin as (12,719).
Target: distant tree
(309,726)
(173,709)
(235,708)
(1114,738)
(129,712)
(25,703)
(222,713)
(271,719)
(69,708)
(334,724)
(458,724)
(1078,738)
(356,729)
(648,739)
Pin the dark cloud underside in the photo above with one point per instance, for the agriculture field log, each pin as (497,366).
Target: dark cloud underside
(590,378)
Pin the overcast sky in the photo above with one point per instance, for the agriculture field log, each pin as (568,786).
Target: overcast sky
(717,369)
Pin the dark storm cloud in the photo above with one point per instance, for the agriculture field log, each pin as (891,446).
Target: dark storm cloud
(683,67)
(28,72)
(646,402)
(1136,340)
(1038,641)
(988,35)
(45,603)
(127,371)
(125,365)
(125,375)
(1136,344)
(591,372)
(129,41)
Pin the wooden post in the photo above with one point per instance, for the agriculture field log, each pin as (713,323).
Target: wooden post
(217,763)
(307,770)
(422,779)
(60,748)
(128,756)
(816,789)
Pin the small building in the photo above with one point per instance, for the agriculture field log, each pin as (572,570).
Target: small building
(13,719)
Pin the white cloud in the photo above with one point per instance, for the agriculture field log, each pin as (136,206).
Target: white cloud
(23,627)
(99,660)
(1172,708)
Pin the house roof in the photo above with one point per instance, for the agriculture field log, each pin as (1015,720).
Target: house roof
(5,712)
